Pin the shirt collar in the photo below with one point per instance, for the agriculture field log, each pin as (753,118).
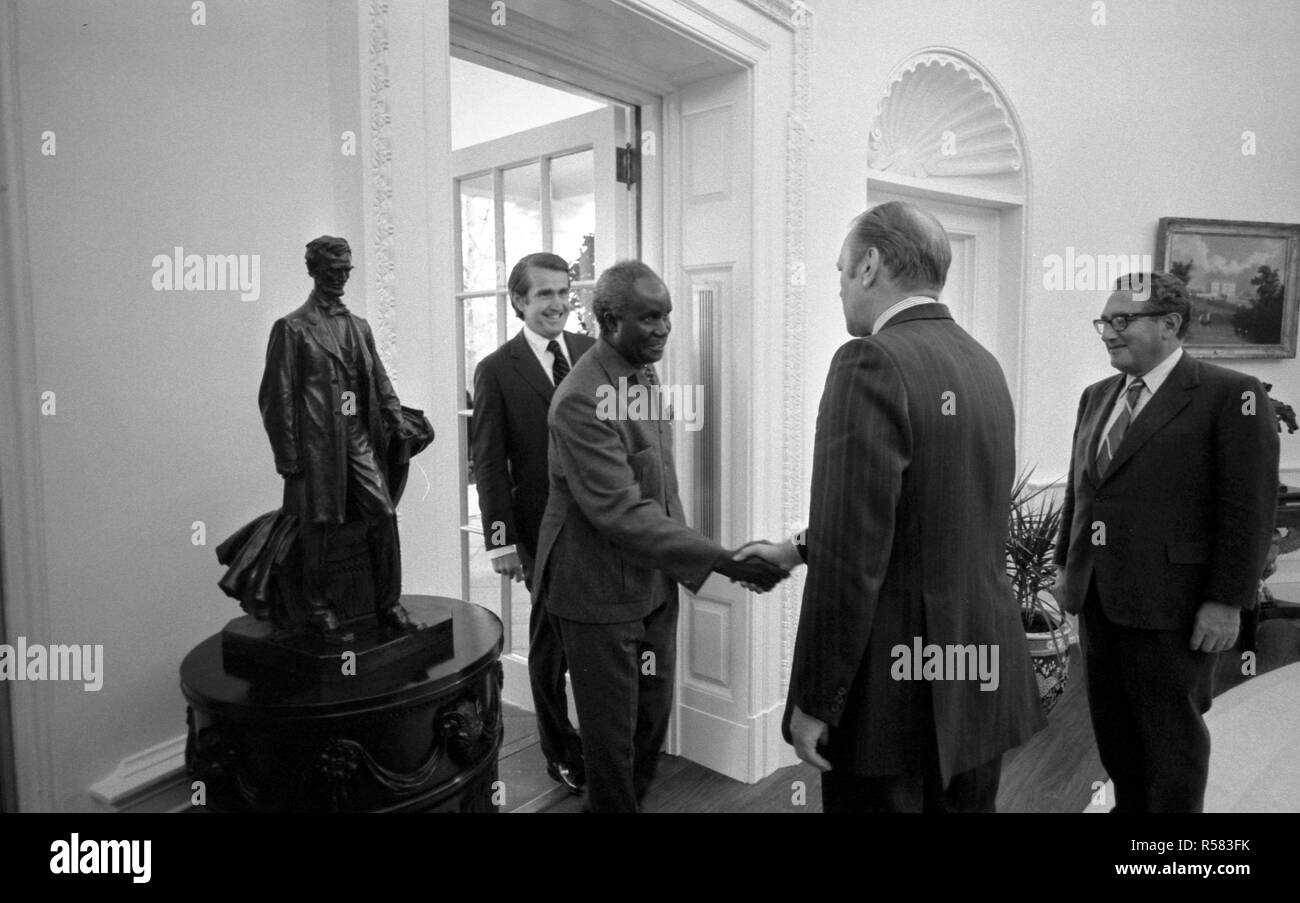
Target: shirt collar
(897,308)
(613,361)
(333,308)
(538,344)
(1156,376)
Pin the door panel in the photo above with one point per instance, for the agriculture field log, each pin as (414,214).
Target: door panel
(711,211)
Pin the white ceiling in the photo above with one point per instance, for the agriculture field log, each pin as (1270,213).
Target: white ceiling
(487,104)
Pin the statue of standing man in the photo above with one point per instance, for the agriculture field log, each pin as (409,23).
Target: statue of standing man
(330,412)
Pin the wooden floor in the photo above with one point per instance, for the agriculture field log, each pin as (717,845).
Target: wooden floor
(1056,771)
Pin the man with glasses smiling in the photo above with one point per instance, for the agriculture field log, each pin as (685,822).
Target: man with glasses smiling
(1168,516)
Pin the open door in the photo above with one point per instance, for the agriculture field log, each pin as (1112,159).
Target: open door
(710,235)
(551,188)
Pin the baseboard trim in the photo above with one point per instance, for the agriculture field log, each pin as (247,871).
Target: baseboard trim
(716,743)
(144,776)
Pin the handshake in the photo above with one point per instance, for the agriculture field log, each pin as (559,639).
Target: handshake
(759,565)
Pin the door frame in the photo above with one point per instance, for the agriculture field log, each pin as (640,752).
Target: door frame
(26,762)
(769,40)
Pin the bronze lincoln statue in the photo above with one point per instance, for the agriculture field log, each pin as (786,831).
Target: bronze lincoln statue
(330,412)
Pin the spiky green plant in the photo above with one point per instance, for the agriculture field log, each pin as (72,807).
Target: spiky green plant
(1033,525)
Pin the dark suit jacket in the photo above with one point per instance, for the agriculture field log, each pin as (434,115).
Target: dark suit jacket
(302,410)
(614,537)
(906,538)
(508,438)
(1186,506)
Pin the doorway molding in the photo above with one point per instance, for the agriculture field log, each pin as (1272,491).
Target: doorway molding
(673,44)
(29,758)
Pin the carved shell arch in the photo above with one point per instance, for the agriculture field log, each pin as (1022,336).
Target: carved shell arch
(941,116)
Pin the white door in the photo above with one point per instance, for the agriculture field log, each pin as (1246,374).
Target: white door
(551,188)
(709,271)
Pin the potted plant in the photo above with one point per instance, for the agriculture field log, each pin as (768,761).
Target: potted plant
(1034,524)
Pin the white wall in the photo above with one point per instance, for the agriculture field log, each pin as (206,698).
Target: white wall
(217,138)
(1124,123)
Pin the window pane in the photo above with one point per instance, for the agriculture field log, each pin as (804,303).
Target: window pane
(480,335)
(573,223)
(478,235)
(484,583)
(573,210)
(521,607)
(522,188)
(583,320)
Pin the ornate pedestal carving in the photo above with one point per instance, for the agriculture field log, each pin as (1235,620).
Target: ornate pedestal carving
(392,740)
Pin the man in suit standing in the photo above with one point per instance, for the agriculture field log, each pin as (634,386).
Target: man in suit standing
(513,387)
(913,465)
(1168,514)
(614,542)
(330,412)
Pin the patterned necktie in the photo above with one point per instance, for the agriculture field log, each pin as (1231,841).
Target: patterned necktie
(560,368)
(1110,444)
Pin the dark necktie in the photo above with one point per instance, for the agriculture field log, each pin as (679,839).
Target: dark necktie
(1110,444)
(560,368)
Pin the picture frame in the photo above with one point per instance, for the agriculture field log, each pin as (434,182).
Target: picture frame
(1244,281)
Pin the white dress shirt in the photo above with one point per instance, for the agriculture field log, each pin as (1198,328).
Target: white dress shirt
(897,308)
(1153,379)
(544,356)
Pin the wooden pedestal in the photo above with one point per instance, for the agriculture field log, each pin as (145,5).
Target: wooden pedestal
(397,740)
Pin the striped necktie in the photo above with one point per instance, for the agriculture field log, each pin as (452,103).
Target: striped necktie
(1110,444)
(560,367)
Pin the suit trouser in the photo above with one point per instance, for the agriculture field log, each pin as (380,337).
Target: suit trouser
(546,670)
(1147,691)
(624,699)
(367,493)
(922,790)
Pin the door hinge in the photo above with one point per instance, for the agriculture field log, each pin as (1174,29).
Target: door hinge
(628,166)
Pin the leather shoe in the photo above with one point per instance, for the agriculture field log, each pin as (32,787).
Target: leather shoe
(572,778)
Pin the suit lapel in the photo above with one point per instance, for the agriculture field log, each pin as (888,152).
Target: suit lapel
(1163,407)
(529,367)
(1095,419)
(324,336)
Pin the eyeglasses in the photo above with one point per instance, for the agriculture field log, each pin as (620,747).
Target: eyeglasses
(1120,322)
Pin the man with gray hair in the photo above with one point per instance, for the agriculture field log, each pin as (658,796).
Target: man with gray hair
(913,464)
(614,544)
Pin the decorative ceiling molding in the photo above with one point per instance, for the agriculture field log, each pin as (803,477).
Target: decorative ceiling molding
(793,14)
(941,116)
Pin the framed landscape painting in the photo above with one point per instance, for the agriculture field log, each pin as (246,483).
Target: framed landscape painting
(1243,279)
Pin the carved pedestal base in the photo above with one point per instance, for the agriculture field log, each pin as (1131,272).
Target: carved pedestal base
(418,739)
(253,649)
